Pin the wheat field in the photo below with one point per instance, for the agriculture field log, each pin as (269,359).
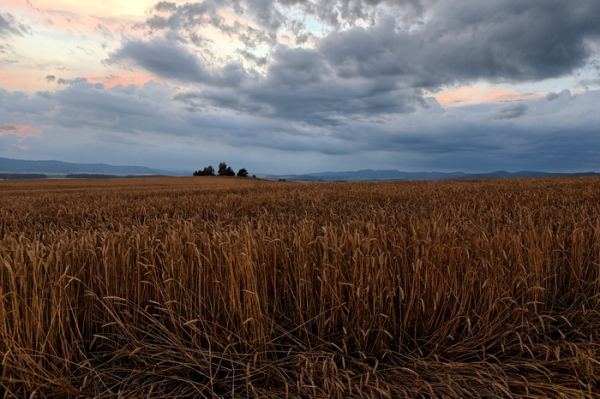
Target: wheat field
(243,288)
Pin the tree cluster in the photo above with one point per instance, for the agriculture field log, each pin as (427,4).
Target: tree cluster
(224,170)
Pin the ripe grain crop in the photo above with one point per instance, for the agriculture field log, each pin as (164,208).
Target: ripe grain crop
(211,287)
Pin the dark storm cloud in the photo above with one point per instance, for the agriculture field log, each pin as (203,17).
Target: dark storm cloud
(358,87)
(335,13)
(164,58)
(382,69)
(448,41)
(50,78)
(551,135)
(428,42)
(169,59)
(300,86)
(8,26)
(518,40)
(464,41)
(296,68)
(266,14)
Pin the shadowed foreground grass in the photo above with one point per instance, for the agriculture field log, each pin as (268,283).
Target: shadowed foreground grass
(243,288)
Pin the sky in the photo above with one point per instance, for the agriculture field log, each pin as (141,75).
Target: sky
(300,86)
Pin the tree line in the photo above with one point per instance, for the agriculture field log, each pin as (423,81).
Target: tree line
(224,170)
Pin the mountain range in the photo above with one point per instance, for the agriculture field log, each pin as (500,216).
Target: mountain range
(11,166)
(16,168)
(380,175)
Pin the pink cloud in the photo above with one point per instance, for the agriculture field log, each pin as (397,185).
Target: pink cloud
(123,79)
(472,95)
(21,131)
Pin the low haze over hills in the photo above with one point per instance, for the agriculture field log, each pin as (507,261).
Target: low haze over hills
(58,167)
(372,175)
(16,168)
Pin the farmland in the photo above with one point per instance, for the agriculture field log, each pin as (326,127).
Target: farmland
(229,287)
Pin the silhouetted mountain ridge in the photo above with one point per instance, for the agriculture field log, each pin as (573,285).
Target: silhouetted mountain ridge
(379,175)
(13,168)
(59,167)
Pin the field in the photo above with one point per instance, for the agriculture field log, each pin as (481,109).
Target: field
(242,288)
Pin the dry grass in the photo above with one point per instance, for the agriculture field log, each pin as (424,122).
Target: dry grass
(228,288)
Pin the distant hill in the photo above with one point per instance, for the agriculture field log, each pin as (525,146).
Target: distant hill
(100,176)
(382,175)
(58,167)
(369,175)
(504,174)
(21,169)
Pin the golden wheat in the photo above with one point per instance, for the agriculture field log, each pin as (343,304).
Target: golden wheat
(214,287)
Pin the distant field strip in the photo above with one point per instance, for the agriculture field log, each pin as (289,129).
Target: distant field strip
(243,288)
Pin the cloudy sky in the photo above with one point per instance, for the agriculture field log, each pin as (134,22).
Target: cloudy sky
(296,86)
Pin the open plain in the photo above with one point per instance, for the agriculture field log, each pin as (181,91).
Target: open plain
(231,287)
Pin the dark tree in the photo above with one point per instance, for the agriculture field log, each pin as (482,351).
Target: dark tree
(208,171)
(222,169)
(229,172)
(242,173)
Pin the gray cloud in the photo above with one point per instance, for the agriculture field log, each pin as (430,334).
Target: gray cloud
(171,16)
(165,58)
(50,78)
(87,104)
(67,82)
(300,86)
(511,111)
(7,128)
(464,41)
(362,72)
(589,83)
(165,6)
(8,26)
(431,42)
(259,61)
(551,135)
(185,20)
(106,33)
(356,92)
(23,105)
(169,59)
